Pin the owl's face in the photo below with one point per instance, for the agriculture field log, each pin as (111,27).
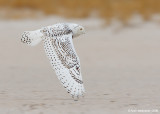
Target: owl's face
(77,30)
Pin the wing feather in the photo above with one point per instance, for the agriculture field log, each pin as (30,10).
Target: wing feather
(64,60)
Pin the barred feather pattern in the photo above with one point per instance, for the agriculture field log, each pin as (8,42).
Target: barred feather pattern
(60,50)
(32,38)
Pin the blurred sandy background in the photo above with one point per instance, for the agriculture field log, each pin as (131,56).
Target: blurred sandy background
(119,56)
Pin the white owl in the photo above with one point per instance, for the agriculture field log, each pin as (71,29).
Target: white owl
(59,48)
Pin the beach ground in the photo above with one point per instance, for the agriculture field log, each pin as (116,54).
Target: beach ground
(120,69)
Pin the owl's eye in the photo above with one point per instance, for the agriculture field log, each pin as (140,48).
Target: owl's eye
(81,29)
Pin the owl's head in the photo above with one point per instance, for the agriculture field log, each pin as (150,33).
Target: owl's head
(76,29)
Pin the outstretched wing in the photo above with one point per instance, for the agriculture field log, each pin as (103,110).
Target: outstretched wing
(63,58)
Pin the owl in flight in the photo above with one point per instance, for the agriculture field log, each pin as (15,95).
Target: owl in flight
(58,45)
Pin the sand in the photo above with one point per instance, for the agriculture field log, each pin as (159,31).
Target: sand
(120,67)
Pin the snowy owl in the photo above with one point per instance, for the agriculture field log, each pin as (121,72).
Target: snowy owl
(58,45)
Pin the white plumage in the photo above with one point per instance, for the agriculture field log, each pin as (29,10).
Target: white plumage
(60,50)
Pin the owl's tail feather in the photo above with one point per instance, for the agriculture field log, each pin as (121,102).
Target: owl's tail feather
(32,38)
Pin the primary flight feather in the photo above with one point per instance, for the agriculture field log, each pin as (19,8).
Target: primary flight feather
(60,50)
